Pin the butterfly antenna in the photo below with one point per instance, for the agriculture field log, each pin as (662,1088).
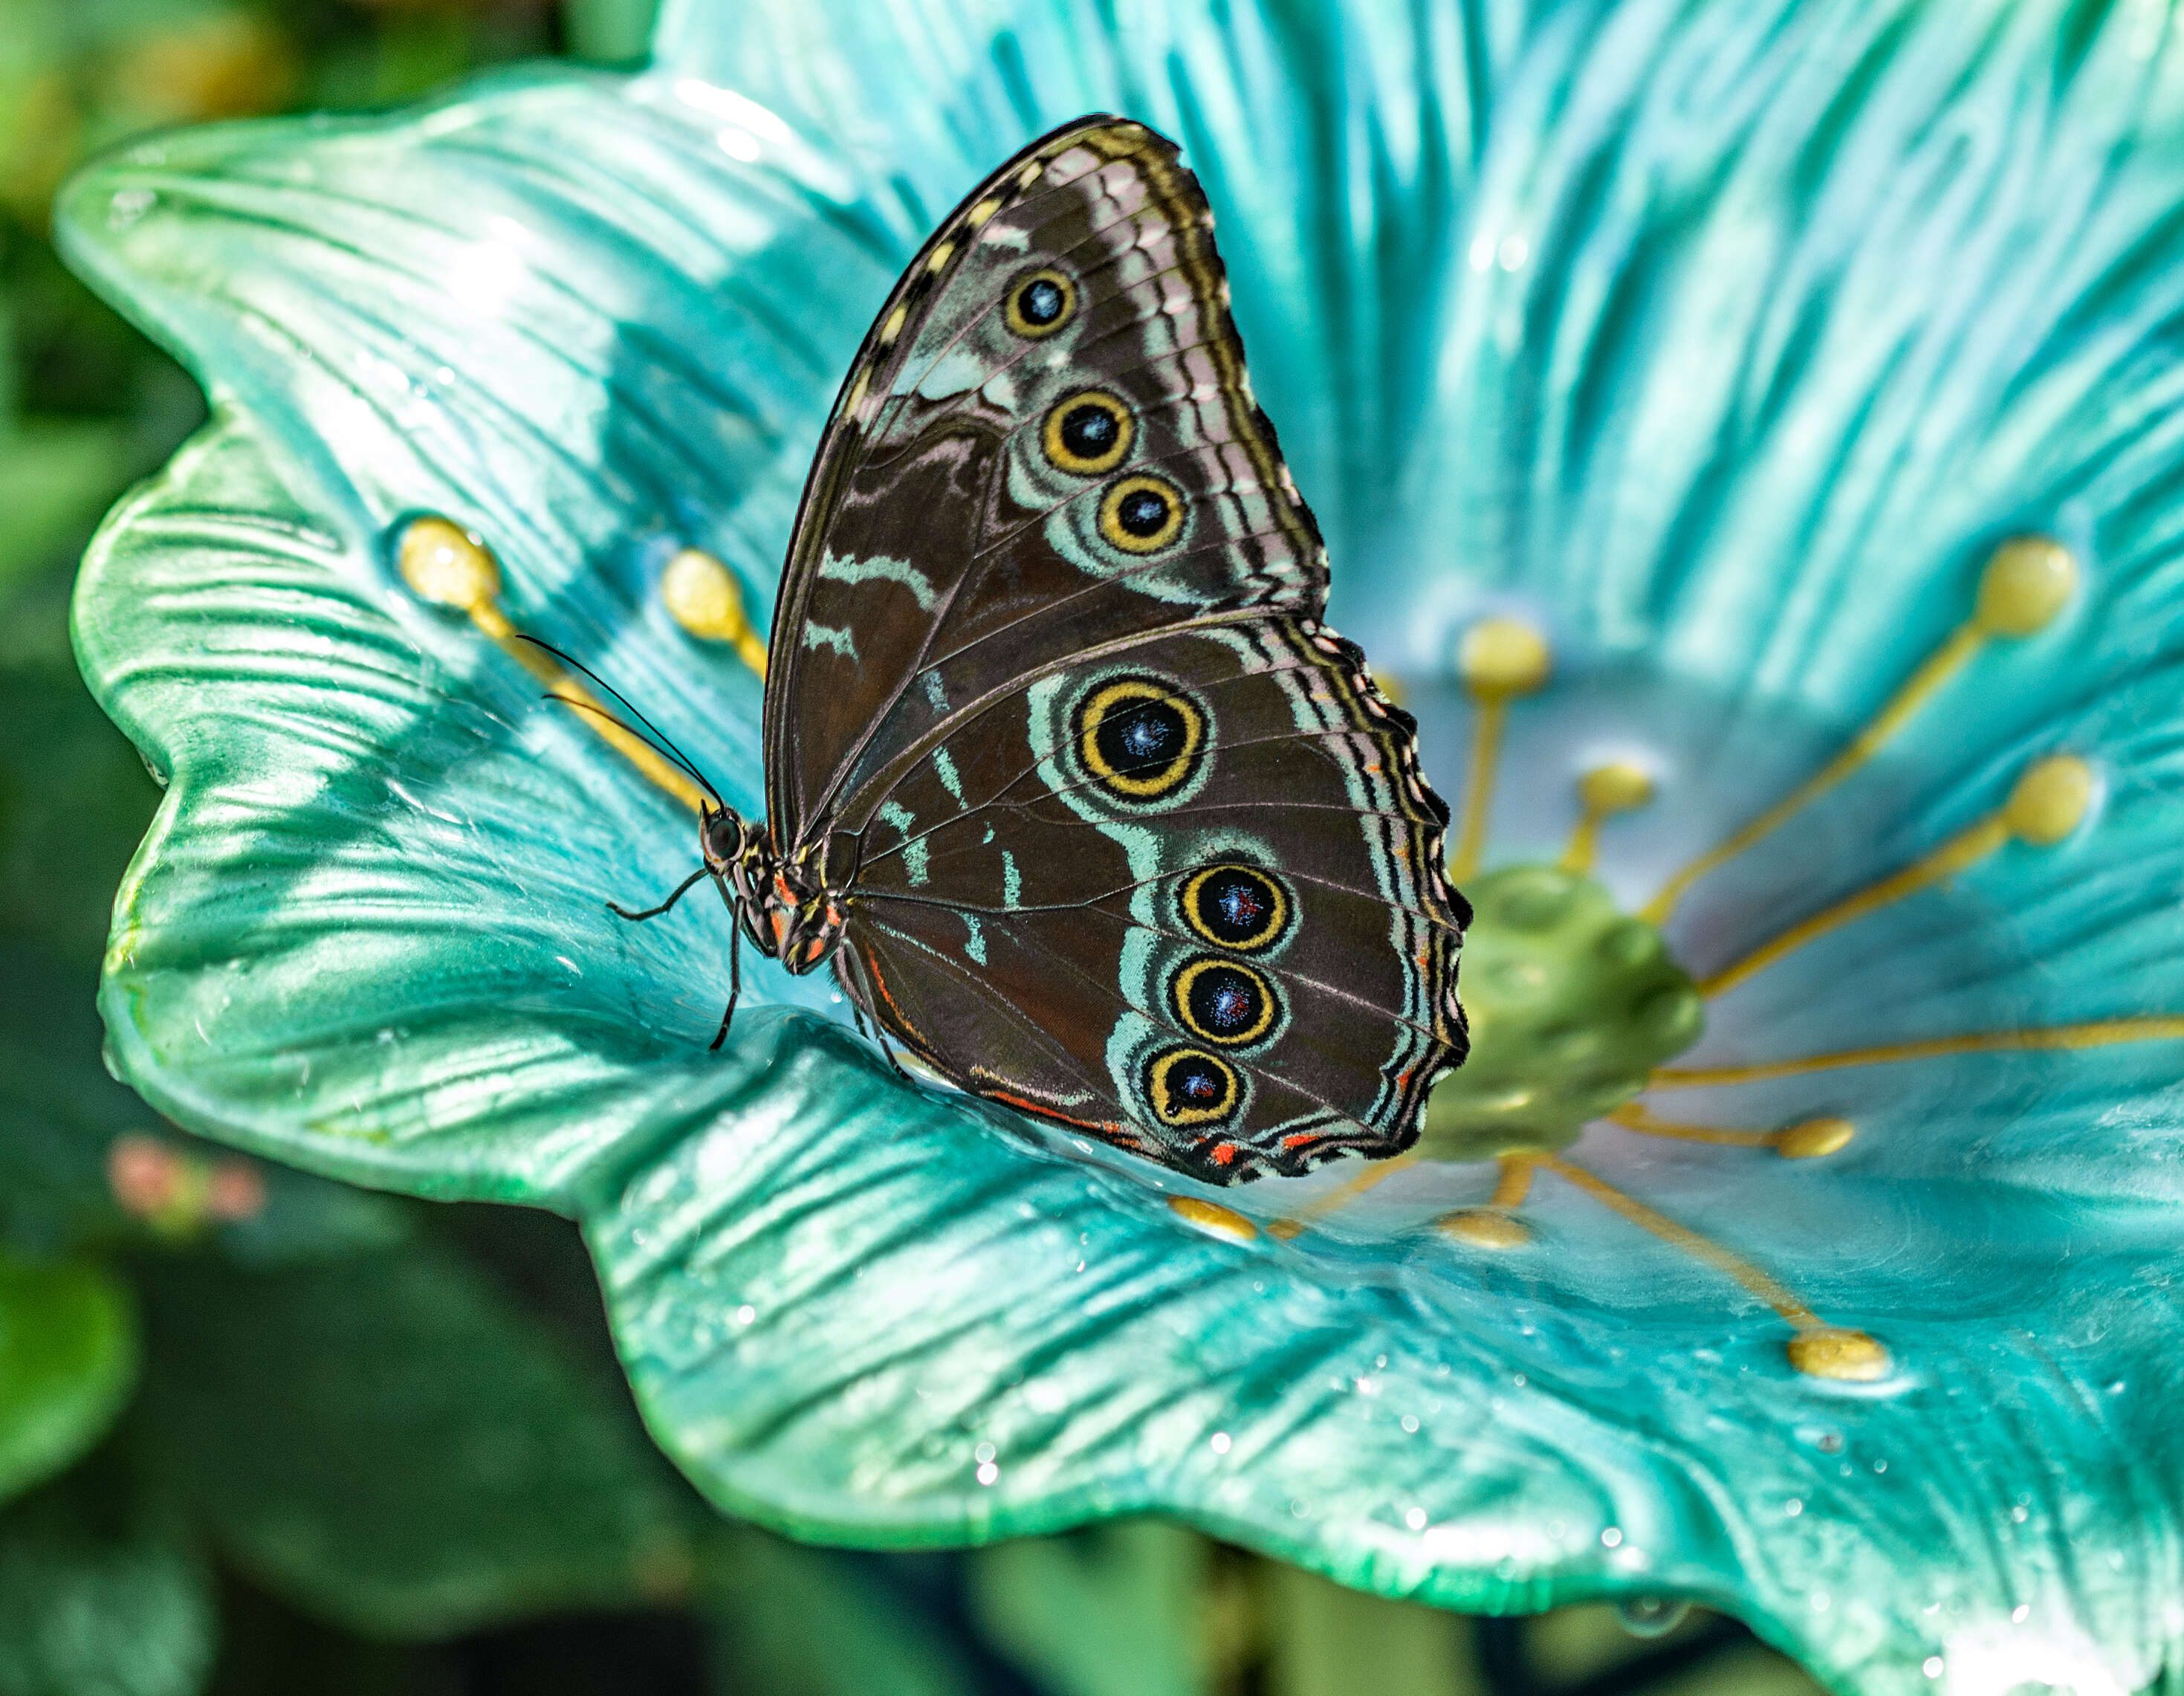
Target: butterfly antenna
(666,744)
(623,725)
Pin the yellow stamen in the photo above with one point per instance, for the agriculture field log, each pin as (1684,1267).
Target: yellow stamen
(1815,1138)
(1213,1218)
(1491,1226)
(1632,1117)
(1340,1196)
(1819,1349)
(1498,660)
(1806,1139)
(1839,1353)
(2045,807)
(2096,1033)
(448,566)
(2027,581)
(702,595)
(1601,792)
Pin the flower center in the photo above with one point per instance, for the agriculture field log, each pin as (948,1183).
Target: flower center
(1572,1004)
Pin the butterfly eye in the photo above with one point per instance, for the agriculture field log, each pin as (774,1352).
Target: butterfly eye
(1088,433)
(1041,303)
(1141,515)
(1224,1002)
(724,836)
(1236,906)
(1140,738)
(1189,1086)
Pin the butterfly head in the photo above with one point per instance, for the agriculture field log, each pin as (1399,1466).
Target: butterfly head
(724,836)
(786,903)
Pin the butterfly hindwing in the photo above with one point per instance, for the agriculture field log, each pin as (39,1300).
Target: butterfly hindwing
(1136,843)
(1250,893)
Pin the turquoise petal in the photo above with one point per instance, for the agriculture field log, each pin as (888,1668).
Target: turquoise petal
(1736,422)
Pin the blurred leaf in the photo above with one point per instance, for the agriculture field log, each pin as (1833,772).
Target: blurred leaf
(1111,1611)
(388,1443)
(99,1596)
(56,476)
(68,1359)
(73,799)
(768,1595)
(1328,1640)
(609,31)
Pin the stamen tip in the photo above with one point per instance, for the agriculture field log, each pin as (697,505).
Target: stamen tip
(2050,800)
(446,565)
(703,597)
(1814,1138)
(2027,581)
(1501,657)
(1838,1352)
(1616,788)
(1485,1228)
(1213,1218)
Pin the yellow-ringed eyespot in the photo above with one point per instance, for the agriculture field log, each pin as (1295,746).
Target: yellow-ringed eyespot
(1224,1001)
(1141,515)
(1041,303)
(1236,906)
(1188,1086)
(1087,434)
(1141,738)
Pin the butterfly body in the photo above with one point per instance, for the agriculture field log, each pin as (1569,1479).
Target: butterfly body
(1066,776)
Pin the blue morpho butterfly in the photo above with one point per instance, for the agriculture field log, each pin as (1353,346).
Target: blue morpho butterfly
(1064,773)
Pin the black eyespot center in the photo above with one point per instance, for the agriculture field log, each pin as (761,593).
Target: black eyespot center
(1089,431)
(1141,514)
(1142,511)
(1188,1086)
(1140,738)
(1236,906)
(1224,1001)
(1039,304)
(1039,301)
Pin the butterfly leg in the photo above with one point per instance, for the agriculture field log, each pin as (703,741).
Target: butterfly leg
(735,985)
(654,912)
(860,996)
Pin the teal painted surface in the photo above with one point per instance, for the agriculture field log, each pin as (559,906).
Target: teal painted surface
(1723,341)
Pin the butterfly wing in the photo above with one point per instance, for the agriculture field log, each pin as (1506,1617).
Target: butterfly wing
(1137,846)
(950,537)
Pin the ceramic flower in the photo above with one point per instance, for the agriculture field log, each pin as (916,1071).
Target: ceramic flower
(1748,433)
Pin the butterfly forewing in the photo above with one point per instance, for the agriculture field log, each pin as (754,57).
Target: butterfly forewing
(950,539)
(1138,845)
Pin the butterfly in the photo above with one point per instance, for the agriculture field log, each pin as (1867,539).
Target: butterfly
(1065,775)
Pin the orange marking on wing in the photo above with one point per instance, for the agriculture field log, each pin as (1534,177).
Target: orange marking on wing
(1224,1153)
(1299,1141)
(879,983)
(1109,1129)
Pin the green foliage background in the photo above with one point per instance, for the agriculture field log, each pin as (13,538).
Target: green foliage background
(259,1433)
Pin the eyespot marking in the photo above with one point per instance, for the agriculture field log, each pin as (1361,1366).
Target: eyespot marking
(1088,433)
(1224,1001)
(1141,738)
(1041,303)
(1188,1086)
(1236,906)
(1141,515)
